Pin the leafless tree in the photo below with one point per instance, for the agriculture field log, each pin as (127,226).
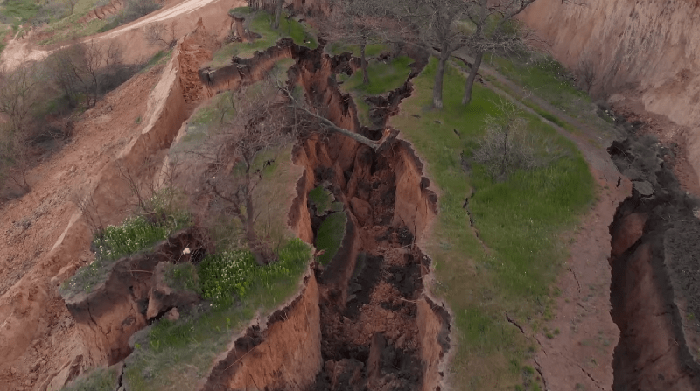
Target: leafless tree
(438,25)
(258,129)
(507,145)
(503,36)
(585,72)
(19,94)
(158,34)
(19,91)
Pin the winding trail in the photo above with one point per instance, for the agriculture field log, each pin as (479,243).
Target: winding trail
(582,352)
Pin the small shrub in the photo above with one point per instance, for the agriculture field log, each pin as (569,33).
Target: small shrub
(321,199)
(508,146)
(330,236)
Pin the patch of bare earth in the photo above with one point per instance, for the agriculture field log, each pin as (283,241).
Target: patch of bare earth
(38,338)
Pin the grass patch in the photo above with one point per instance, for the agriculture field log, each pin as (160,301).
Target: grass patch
(519,220)
(260,22)
(161,57)
(382,79)
(330,236)
(98,379)
(176,355)
(183,277)
(322,199)
(136,234)
(550,81)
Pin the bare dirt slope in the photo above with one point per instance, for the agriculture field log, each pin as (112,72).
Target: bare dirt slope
(37,334)
(182,15)
(47,237)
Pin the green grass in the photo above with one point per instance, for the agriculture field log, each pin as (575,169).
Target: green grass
(161,57)
(136,234)
(330,236)
(21,10)
(176,355)
(261,24)
(382,79)
(98,379)
(520,221)
(322,199)
(183,277)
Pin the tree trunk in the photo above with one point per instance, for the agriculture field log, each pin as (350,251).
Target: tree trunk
(251,236)
(363,58)
(472,76)
(439,79)
(278,13)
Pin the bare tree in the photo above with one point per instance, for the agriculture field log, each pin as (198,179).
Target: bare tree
(585,72)
(507,145)
(19,94)
(71,4)
(19,91)
(358,22)
(257,129)
(504,36)
(438,26)
(158,34)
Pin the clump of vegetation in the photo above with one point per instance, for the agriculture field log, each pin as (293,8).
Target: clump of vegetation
(183,277)
(225,275)
(138,233)
(322,199)
(330,236)
(98,379)
(508,146)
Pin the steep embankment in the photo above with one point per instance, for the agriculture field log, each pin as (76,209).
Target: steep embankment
(647,52)
(41,345)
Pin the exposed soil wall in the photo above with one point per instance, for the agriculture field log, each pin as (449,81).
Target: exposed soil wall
(109,195)
(285,355)
(647,51)
(116,308)
(649,290)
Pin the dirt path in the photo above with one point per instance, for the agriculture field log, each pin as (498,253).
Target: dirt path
(580,356)
(184,15)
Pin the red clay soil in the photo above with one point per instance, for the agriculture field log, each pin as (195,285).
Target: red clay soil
(39,339)
(286,354)
(40,345)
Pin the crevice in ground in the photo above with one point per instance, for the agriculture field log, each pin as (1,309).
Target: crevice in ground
(378,329)
(646,294)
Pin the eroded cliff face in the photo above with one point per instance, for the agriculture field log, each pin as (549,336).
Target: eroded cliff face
(646,51)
